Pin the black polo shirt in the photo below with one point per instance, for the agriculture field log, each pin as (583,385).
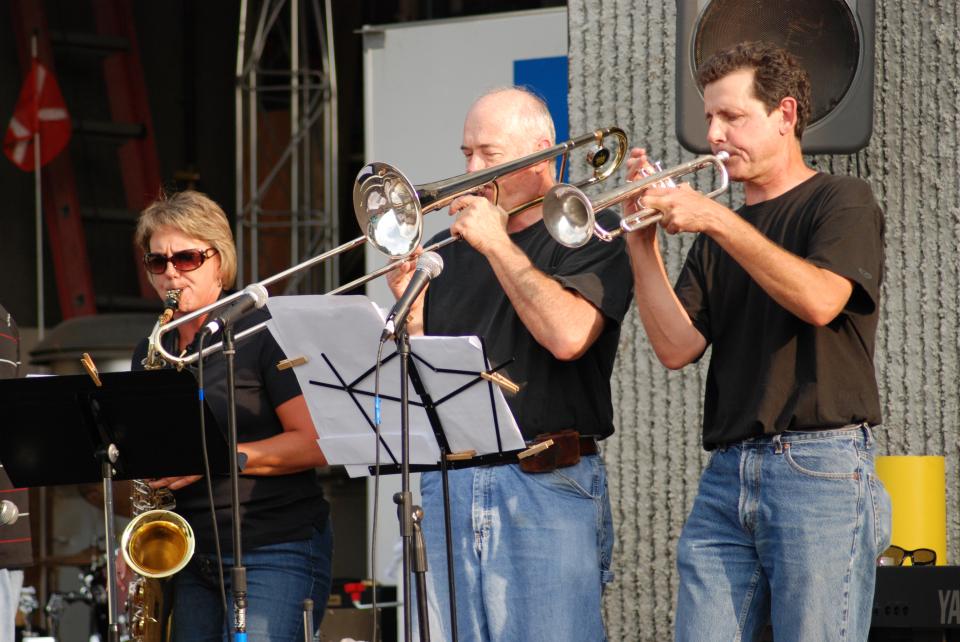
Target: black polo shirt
(275,508)
(467,299)
(769,370)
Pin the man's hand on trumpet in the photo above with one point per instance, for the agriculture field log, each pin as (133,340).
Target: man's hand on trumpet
(683,208)
(638,166)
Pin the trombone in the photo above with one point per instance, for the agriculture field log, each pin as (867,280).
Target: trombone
(390,209)
(377,180)
(570,215)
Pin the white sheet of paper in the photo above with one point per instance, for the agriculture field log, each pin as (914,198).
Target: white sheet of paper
(339,335)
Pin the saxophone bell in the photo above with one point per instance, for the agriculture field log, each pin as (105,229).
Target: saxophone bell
(157,543)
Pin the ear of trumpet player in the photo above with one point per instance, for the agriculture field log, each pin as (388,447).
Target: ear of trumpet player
(570,215)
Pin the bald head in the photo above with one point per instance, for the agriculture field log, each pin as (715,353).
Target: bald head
(518,113)
(501,126)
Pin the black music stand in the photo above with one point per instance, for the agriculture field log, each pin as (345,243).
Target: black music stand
(69,430)
(337,379)
(410,515)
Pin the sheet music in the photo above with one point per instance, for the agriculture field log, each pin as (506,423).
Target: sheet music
(339,336)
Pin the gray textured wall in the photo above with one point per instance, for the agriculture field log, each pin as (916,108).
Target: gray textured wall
(622,68)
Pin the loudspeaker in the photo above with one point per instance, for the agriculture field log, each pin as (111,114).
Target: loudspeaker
(832,39)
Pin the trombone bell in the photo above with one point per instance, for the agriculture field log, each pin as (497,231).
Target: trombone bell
(388,209)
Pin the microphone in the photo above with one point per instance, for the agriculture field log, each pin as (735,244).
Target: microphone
(254,297)
(429,266)
(9,513)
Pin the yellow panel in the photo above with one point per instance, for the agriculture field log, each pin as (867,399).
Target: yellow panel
(918,492)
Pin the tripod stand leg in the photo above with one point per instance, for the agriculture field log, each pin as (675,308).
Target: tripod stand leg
(109,457)
(419,556)
(308,620)
(448,538)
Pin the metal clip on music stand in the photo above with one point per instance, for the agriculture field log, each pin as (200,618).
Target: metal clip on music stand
(136,425)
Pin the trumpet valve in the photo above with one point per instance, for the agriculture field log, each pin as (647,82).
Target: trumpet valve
(656,168)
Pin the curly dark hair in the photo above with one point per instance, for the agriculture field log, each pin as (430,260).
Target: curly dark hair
(777,74)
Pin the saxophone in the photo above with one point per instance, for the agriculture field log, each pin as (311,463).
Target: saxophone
(153,360)
(157,542)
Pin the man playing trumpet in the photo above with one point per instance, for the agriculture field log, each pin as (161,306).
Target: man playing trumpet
(789,518)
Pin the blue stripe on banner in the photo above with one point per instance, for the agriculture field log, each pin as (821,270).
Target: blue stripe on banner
(547,77)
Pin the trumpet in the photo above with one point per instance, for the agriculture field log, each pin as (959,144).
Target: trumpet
(389,209)
(570,215)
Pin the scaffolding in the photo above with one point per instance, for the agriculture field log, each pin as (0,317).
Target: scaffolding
(289,65)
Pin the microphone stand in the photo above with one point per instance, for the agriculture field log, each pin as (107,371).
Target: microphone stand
(409,515)
(108,457)
(238,574)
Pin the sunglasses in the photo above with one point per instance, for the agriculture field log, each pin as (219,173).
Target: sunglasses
(894,556)
(183,261)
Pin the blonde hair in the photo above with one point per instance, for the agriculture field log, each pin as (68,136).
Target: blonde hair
(196,215)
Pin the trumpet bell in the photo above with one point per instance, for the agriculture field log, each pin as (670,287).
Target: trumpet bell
(388,209)
(568,215)
(157,543)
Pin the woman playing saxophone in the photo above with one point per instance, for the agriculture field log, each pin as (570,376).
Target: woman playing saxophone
(287,539)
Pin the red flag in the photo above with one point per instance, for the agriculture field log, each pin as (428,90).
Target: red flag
(39,108)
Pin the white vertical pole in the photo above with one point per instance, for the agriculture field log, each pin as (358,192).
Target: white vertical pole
(38,201)
(238,142)
(295,132)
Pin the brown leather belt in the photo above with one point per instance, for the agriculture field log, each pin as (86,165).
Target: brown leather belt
(568,446)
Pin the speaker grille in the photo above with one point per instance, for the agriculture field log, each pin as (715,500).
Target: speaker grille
(822,34)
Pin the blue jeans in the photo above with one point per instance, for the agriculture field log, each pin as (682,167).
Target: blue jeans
(786,529)
(279,578)
(531,552)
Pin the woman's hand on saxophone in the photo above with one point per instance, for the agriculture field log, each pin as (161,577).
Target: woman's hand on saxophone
(174,483)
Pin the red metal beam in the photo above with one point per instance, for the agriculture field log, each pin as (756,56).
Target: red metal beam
(61,206)
(127,94)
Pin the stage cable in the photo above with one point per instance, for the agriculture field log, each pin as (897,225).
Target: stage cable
(376,487)
(209,483)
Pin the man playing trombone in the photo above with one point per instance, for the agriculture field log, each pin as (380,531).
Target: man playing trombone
(532,542)
(789,518)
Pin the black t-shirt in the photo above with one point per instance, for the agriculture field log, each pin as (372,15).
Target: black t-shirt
(467,299)
(274,508)
(770,371)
